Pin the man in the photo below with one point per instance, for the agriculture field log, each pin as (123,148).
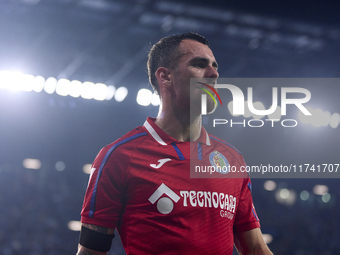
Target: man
(141,183)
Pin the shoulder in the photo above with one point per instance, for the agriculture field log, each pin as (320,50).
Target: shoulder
(217,141)
(127,142)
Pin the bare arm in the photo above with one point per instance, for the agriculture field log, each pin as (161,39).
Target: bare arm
(251,243)
(85,251)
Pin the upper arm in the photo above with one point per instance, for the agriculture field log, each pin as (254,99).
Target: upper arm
(251,242)
(105,195)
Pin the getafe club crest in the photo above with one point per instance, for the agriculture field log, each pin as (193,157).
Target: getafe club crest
(220,162)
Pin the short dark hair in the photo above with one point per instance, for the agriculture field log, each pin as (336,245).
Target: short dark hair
(165,53)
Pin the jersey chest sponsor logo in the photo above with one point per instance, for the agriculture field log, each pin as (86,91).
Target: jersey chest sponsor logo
(225,203)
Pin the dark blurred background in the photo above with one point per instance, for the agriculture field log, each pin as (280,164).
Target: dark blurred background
(48,140)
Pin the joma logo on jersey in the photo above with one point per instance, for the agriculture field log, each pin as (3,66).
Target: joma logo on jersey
(204,199)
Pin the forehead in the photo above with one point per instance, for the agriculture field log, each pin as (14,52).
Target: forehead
(191,49)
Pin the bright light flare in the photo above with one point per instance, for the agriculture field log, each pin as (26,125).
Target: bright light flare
(16,81)
(269,185)
(121,94)
(111,90)
(326,198)
(60,166)
(100,91)
(155,101)
(276,115)
(144,97)
(258,106)
(304,195)
(63,87)
(26,82)
(31,163)
(267,238)
(317,117)
(75,88)
(87,168)
(11,80)
(320,190)
(50,85)
(87,90)
(334,120)
(320,118)
(74,225)
(285,196)
(38,85)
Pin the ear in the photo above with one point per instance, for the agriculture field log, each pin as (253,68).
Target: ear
(163,76)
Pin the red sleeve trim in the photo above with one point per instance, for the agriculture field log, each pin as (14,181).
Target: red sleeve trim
(97,222)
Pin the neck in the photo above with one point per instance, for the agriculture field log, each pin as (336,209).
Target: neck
(179,124)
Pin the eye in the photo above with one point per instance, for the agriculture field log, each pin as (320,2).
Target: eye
(199,65)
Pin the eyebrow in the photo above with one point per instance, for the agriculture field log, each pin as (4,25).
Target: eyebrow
(201,59)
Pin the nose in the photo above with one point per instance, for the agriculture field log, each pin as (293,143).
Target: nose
(211,72)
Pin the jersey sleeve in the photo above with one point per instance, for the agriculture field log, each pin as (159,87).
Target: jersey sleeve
(246,217)
(104,197)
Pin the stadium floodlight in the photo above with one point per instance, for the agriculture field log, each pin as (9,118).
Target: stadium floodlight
(258,106)
(326,198)
(269,185)
(317,118)
(284,193)
(247,113)
(60,166)
(50,85)
(276,115)
(304,195)
(10,80)
(87,168)
(75,88)
(38,85)
(268,238)
(231,109)
(304,118)
(111,90)
(334,120)
(320,189)
(31,163)
(326,117)
(144,97)
(74,225)
(3,79)
(87,90)
(155,101)
(320,118)
(16,81)
(121,94)
(63,87)
(26,82)
(285,196)
(100,91)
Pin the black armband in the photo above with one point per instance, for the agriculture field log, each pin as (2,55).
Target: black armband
(94,240)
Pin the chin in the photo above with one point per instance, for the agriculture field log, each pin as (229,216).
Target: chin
(211,107)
